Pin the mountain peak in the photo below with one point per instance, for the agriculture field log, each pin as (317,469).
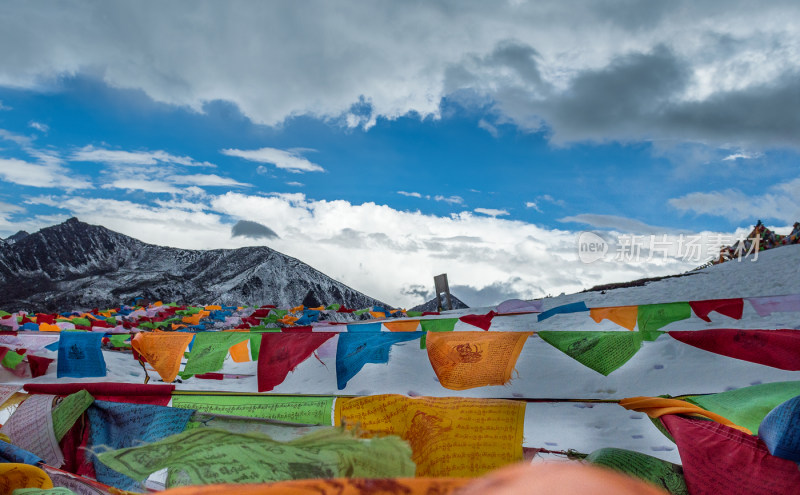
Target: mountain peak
(77,265)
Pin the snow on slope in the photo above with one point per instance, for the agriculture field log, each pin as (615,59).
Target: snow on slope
(661,367)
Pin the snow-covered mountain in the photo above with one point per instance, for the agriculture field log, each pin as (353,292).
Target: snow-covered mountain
(77,265)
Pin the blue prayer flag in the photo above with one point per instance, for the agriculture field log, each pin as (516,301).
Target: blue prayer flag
(576,307)
(364,327)
(118,425)
(80,355)
(359,348)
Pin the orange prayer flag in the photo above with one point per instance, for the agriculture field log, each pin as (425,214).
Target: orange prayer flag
(624,316)
(240,353)
(49,327)
(338,486)
(655,407)
(163,350)
(402,325)
(297,308)
(319,308)
(213,307)
(377,314)
(465,360)
(288,320)
(449,436)
(158,303)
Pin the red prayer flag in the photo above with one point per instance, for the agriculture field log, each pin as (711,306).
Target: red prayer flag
(157,395)
(38,365)
(280,353)
(775,348)
(727,307)
(718,459)
(300,329)
(481,321)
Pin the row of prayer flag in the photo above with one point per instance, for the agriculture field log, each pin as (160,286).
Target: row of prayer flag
(461,360)
(191,318)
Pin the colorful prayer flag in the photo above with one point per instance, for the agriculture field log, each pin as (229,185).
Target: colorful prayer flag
(776,348)
(80,355)
(463,360)
(603,352)
(449,436)
(280,353)
(354,350)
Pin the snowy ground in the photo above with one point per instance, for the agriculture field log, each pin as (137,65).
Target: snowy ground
(665,366)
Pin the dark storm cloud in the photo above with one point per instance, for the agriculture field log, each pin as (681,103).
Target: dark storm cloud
(253,230)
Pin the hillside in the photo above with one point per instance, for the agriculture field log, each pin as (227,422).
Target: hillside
(76,265)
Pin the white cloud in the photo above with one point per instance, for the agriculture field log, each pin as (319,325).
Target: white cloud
(4,107)
(531,204)
(455,200)
(295,184)
(779,202)
(415,57)
(43,128)
(206,180)
(290,160)
(743,155)
(486,126)
(50,174)
(386,250)
(121,157)
(492,212)
(410,194)
(617,223)
(19,139)
(148,185)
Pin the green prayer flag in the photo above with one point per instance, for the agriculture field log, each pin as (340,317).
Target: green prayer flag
(360,312)
(279,432)
(300,409)
(280,313)
(118,339)
(12,359)
(334,306)
(436,325)
(661,473)
(210,349)
(413,314)
(3,314)
(655,316)
(207,455)
(749,405)
(603,352)
(255,346)
(111,320)
(67,412)
(84,322)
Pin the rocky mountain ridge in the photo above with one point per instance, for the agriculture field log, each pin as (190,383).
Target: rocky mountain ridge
(77,265)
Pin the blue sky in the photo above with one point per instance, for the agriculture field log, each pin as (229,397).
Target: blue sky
(384,147)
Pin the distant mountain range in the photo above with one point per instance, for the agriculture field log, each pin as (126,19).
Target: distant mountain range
(433,304)
(76,265)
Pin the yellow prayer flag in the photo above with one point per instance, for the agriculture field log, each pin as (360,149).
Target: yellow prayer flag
(624,316)
(449,436)
(163,350)
(465,360)
(14,476)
